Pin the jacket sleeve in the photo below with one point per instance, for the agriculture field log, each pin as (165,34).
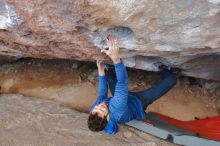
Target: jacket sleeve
(118,104)
(103,87)
(102,91)
(111,128)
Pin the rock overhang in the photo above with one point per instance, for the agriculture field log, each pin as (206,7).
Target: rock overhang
(183,34)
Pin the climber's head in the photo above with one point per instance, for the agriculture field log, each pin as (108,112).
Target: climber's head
(98,118)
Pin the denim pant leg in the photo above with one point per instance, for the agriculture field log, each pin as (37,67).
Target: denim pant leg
(151,94)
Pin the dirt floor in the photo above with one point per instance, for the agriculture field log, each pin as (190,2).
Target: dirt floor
(32,121)
(27,121)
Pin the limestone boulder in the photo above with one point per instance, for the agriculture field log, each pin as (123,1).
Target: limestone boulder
(177,33)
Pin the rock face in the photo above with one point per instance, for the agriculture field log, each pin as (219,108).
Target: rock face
(77,87)
(178,33)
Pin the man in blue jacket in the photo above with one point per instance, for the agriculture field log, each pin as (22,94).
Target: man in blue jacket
(106,113)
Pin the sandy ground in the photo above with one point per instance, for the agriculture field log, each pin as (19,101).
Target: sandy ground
(27,120)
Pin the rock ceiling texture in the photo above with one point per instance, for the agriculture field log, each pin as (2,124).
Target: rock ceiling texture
(177,33)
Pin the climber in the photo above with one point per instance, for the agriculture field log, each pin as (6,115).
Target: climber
(106,113)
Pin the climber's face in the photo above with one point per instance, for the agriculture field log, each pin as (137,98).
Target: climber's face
(102,110)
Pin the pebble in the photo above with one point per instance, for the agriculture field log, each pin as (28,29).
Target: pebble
(127,134)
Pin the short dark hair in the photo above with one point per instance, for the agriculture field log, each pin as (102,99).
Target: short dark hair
(96,123)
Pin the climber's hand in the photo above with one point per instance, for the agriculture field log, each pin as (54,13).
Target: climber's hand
(113,51)
(100,66)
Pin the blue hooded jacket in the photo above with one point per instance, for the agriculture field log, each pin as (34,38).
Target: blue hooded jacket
(123,107)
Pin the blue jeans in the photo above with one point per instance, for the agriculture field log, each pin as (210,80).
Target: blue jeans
(151,94)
